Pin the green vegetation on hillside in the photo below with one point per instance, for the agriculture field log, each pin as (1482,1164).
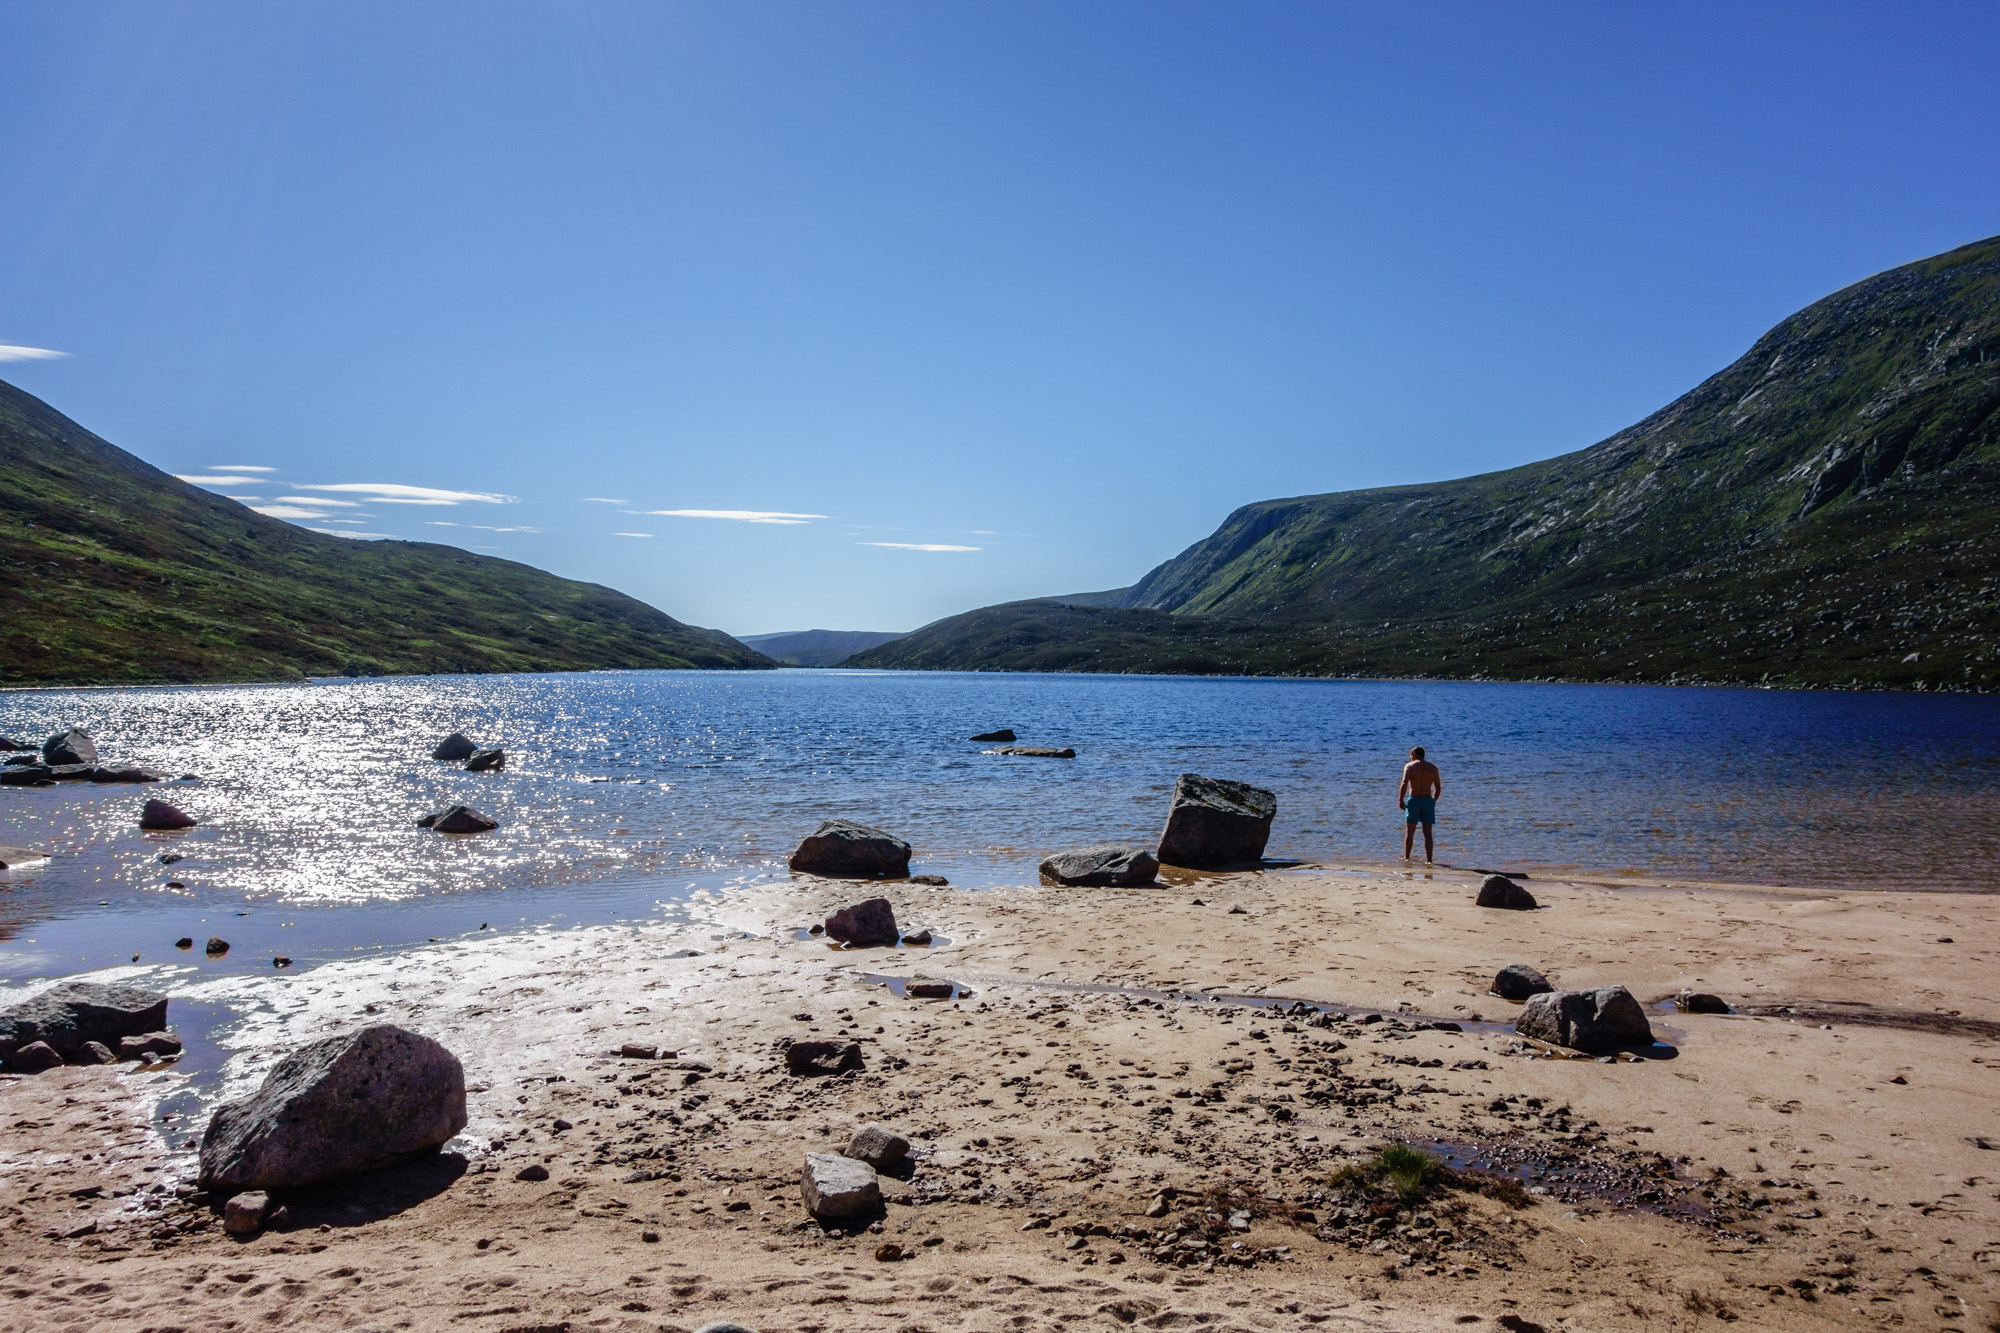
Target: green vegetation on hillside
(119,574)
(1821,512)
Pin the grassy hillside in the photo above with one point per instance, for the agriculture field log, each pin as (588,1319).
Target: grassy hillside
(1814,514)
(816,647)
(117,573)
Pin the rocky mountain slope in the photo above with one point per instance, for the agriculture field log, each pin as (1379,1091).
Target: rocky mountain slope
(117,573)
(817,647)
(1819,512)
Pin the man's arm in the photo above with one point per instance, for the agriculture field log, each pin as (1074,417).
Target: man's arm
(1403,787)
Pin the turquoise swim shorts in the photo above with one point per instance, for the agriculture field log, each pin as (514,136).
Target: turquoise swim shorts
(1421,810)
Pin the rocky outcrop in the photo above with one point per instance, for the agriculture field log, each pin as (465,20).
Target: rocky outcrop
(158,816)
(339,1106)
(847,850)
(1517,981)
(879,1146)
(455,748)
(458,819)
(1215,823)
(838,1187)
(1036,751)
(1596,1021)
(486,761)
(27,775)
(1499,891)
(807,1058)
(69,1015)
(1104,864)
(869,922)
(1002,736)
(70,747)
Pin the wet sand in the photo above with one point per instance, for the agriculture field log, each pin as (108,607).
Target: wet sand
(1079,1080)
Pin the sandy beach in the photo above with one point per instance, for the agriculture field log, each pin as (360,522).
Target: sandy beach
(1825,1156)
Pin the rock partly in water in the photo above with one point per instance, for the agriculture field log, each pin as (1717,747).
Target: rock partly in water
(486,761)
(456,748)
(1104,864)
(930,881)
(26,775)
(1596,1021)
(216,947)
(335,1107)
(69,1015)
(879,1146)
(70,772)
(1517,981)
(918,938)
(9,743)
(244,1214)
(843,848)
(1036,751)
(999,737)
(34,1058)
(20,856)
(1701,1002)
(1215,823)
(839,1187)
(458,819)
(928,990)
(158,816)
(807,1058)
(149,1046)
(870,922)
(70,747)
(102,774)
(1499,891)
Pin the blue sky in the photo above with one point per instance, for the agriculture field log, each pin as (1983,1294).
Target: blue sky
(817,296)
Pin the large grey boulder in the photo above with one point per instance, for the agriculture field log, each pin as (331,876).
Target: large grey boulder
(1517,981)
(1106,863)
(870,922)
(1499,891)
(1597,1021)
(70,747)
(338,1106)
(879,1146)
(69,1015)
(837,1187)
(1216,823)
(843,848)
(456,747)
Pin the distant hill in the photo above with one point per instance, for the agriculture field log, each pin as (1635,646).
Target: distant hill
(817,647)
(1821,512)
(120,574)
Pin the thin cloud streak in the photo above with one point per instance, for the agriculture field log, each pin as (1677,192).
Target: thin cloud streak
(238,467)
(737,515)
(394,493)
(323,503)
(631,534)
(358,536)
(920,546)
(289,512)
(8,353)
(600,500)
(203,479)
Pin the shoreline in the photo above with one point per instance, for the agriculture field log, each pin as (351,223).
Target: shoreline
(1027,1116)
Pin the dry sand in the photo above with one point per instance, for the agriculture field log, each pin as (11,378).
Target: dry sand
(1051,1101)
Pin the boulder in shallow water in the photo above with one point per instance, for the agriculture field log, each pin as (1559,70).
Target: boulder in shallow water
(217,946)
(872,921)
(1106,863)
(70,772)
(1001,736)
(845,849)
(878,1145)
(1499,891)
(486,761)
(1596,1021)
(8,743)
(1701,1002)
(26,775)
(1517,981)
(456,747)
(70,747)
(159,816)
(336,1107)
(20,856)
(458,819)
(820,1056)
(837,1187)
(1215,823)
(148,1046)
(69,1015)
(127,774)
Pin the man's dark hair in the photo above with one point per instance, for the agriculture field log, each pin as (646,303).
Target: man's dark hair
(1416,752)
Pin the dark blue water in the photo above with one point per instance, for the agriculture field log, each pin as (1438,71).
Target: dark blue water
(627,790)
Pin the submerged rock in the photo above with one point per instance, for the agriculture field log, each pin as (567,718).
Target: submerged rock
(1003,735)
(70,747)
(158,815)
(1517,981)
(1036,751)
(869,922)
(807,1058)
(1596,1021)
(336,1107)
(486,761)
(836,1187)
(1104,864)
(1499,891)
(456,748)
(877,1145)
(123,775)
(458,819)
(1215,823)
(217,946)
(845,849)
(70,1015)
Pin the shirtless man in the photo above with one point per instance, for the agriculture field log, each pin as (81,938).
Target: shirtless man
(1418,795)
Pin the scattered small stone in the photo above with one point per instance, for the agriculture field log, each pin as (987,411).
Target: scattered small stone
(1238,909)
(216,946)
(882,1148)
(818,928)
(931,881)
(918,938)
(148,1046)
(837,1187)
(723,1326)
(650,1237)
(637,1050)
(34,1057)
(822,1057)
(1499,891)
(532,1171)
(1517,981)
(94,1053)
(244,1214)
(888,1254)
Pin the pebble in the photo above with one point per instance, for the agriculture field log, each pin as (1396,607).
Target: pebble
(533,1171)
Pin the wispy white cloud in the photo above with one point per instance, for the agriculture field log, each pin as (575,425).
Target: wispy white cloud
(393,493)
(631,534)
(600,500)
(320,502)
(289,512)
(238,467)
(485,527)
(438,523)
(358,536)
(920,546)
(246,499)
(982,532)
(737,515)
(204,479)
(29,354)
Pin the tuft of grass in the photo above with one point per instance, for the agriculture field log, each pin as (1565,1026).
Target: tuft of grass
(1406,1172)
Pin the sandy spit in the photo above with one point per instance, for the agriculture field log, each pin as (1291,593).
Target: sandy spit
(1817,1159)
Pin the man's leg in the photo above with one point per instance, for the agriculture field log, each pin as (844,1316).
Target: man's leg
(1409,835)
(1428,857)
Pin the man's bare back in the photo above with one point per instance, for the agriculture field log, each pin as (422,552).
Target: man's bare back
(1417,795)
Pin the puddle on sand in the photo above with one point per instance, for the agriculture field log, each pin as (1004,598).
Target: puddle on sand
(899,986)
(804,934)
(1643,1182)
